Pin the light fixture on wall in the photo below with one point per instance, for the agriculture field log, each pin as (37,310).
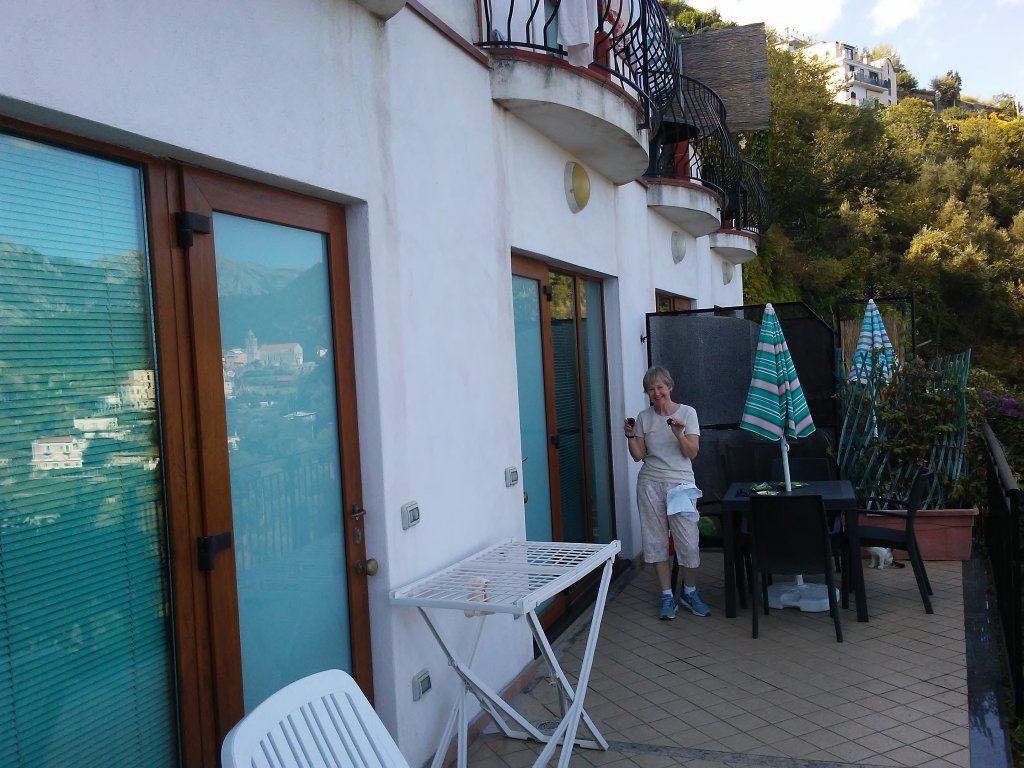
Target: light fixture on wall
(678,247)
(728,271)
(577,186)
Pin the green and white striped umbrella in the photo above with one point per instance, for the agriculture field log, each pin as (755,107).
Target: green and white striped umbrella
(776,408)
(874,354)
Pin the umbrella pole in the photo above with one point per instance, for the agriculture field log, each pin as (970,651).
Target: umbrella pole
(785,464)
(798,580)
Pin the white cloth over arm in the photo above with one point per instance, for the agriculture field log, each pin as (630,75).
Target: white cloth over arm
(577,23)
(680,500)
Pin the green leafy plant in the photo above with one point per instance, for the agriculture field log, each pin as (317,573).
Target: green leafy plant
(929,417)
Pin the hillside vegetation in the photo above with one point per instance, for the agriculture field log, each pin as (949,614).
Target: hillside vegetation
(889,200)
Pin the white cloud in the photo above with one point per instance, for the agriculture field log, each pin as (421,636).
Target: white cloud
(887,16)
(808,17)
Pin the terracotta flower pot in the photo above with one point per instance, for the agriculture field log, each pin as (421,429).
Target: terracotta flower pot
(942,534)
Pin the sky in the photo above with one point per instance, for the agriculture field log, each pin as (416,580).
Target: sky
(982,39)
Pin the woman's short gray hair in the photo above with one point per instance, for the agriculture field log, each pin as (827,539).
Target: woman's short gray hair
(655,374)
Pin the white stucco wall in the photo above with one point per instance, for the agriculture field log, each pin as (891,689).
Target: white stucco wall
(441,185)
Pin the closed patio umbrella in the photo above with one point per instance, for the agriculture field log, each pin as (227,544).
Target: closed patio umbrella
(874,358)
(776,409)
(873,348)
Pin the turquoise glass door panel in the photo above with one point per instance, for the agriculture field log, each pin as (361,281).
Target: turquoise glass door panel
(568,409)
(284,454)
(533,430)
(86,664)
(598,429)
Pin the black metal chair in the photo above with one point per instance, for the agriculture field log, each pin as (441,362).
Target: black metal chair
(816,468)
(901,537)
(789,535)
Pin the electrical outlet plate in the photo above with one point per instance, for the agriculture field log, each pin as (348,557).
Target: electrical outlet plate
(511,476)
(410,514)
(420,684)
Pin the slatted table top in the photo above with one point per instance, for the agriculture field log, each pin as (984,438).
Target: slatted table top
(510,577)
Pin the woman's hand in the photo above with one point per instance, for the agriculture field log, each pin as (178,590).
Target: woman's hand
(688,444)
(637,446)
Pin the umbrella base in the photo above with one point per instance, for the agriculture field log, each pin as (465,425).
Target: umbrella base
(812,598)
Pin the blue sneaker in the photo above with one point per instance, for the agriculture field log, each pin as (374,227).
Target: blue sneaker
(692,601)
(668,607)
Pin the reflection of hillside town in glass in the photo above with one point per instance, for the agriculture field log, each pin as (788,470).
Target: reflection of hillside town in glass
(136,394)
(287,357)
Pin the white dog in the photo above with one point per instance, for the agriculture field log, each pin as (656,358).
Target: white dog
(881,557)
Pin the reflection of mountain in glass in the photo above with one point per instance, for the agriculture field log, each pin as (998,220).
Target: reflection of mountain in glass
(279,305)
(75,333)
(83,610)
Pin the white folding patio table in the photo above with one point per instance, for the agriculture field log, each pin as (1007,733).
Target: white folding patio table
(515,577)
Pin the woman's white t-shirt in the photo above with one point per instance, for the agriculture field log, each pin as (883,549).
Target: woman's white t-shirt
(665,461)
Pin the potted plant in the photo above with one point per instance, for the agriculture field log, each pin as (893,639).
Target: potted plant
(925,418)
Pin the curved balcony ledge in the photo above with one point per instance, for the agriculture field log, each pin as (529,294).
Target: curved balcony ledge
(577,109)
(694,207)
(734,245)
(383,9)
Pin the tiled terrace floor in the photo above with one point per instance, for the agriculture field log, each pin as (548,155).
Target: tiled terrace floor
(701,693)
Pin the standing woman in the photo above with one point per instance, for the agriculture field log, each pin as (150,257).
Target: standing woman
(666,438)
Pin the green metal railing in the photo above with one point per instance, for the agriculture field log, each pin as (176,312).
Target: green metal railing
(863,455)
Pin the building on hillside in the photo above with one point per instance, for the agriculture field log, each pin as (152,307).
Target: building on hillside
(469,229)
(59,452)
(859,80)
(288,355)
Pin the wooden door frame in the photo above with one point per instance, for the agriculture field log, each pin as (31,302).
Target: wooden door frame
(198,740)
(203,717)
(536,270)
(204,192)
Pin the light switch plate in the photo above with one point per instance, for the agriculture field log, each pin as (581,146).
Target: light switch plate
(511,476)
(410,514)
(420,684)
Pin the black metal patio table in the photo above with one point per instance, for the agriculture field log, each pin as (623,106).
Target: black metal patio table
(838,495)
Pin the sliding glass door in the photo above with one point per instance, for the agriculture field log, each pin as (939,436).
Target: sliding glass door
(561,371)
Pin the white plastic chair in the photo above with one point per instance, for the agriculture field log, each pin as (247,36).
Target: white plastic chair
(320,721)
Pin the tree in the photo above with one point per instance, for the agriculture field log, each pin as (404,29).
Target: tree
(883,50)
(687,20)
(899,198)
(905,83)
(1008,106)
(947,88)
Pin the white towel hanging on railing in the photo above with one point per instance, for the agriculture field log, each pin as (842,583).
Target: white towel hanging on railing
(577,23)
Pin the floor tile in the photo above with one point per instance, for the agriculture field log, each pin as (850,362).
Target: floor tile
(701,693)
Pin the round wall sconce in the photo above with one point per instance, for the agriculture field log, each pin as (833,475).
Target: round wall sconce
(728,271)
(678,247)
(577,186)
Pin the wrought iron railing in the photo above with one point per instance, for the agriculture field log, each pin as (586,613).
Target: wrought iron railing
(1001,536)
(693,142)
(747,206)
(868,79)
(632,42)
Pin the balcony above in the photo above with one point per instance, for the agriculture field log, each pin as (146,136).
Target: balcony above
(574,108)
(747,208)
(690,205)
(383,9)
(734,245)
(694,160)
(595,83)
